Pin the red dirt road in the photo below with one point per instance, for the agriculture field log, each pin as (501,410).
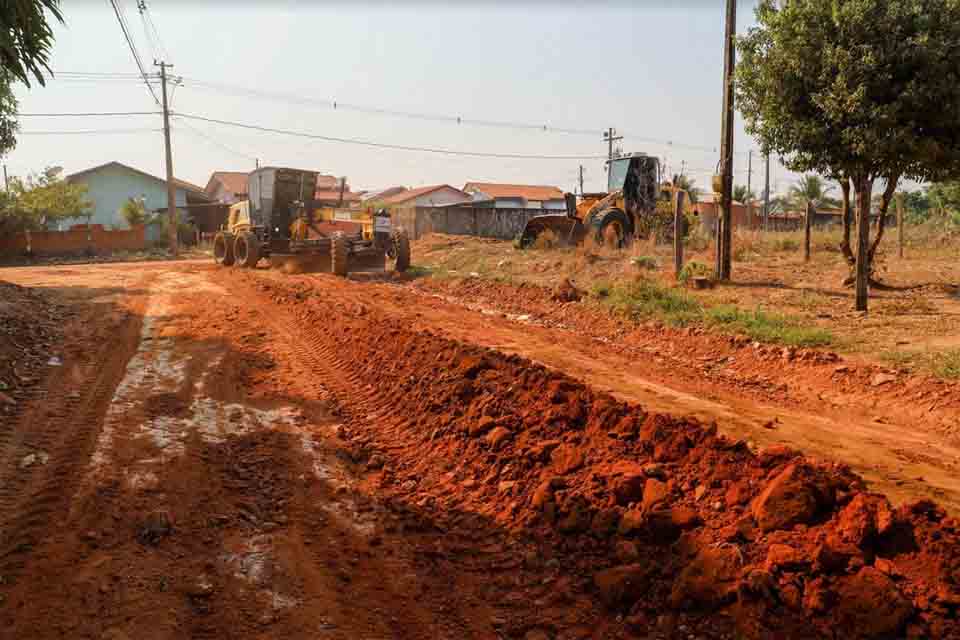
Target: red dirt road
(230,454)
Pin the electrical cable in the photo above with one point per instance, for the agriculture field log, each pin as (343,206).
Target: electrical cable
(212,140)
(133,49)
(368,143)
(89,113)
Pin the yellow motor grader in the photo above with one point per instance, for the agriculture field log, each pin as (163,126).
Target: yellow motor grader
(281,223)
(628,210)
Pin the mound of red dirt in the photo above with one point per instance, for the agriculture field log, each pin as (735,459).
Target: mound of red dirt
(653,513)
(29,329)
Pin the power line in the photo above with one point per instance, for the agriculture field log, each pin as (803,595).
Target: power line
(150,30)
(133,49)
(88,114)
(367,143)
(75,132)
(212,141)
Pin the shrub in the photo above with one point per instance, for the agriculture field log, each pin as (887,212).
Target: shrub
(693,269)
(645,262)
(768,327)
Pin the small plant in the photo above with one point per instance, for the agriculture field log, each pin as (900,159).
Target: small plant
(646,299)
(693,269)
(947,364)
(645,262)
(768,327)
(601,289)
(785,245)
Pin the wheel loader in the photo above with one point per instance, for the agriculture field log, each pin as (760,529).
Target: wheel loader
(626,211)
(282,224)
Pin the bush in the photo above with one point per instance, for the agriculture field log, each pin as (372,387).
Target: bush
(786,244)
(646,299)
(694,269)
(947,364)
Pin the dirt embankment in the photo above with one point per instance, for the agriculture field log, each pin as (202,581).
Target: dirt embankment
(665,521)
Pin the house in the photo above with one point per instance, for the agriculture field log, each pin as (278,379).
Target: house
(111,185)
(379,194)
(515,196)
(436,195)
(227,187)
(745,216)
(328,192)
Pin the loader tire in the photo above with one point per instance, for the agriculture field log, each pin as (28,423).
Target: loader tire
(401,249)
(339,255)
(612,229)
(223,249)
(246,250)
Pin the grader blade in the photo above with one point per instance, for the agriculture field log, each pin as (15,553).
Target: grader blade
(301,262)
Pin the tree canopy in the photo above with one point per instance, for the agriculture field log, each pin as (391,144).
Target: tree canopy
(857,90)
(42,200)
(26,37)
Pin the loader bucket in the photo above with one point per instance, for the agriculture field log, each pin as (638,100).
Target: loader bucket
(564,230)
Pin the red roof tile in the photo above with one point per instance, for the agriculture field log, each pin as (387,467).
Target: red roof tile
(234,182)
(527,192)
(412,194)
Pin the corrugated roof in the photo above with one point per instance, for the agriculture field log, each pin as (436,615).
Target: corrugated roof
(412,194)
(525,191)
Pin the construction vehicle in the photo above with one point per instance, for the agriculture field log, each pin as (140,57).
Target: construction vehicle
(626,211)
(282,223)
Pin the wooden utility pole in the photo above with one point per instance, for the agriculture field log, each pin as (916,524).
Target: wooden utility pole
(725,250)
(581,180)
(610,135)
(900,225)
(749,201)
(171,188)
(766,196)
(808,220)
(679,230)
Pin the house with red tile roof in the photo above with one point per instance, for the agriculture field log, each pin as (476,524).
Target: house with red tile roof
(515,196)
(436,195)
(328,192)
(227,187)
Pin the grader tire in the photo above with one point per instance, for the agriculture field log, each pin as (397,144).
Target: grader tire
(401,247)
(223,249)
(338,255)
(246,249)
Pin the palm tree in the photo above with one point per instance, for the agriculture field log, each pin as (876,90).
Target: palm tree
(813,189)
(687,184)
(742,194)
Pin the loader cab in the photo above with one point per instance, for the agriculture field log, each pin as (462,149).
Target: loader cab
(638,176)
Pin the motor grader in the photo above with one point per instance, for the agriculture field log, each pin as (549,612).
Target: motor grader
(282,224)
(628,210)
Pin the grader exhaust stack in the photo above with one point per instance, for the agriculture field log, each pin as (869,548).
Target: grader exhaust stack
(282,223)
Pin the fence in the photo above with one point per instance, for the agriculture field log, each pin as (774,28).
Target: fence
(486,222)
(78,240)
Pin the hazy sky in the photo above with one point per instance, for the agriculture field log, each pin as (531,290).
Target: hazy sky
(652,69)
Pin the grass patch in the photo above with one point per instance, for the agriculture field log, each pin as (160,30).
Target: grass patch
(767,327)
(899,359)
(644,262)
(946,364)
(643,299)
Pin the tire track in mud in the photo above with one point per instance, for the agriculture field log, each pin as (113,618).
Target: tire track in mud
(52,436)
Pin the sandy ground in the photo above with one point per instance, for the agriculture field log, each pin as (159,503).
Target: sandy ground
(183,470)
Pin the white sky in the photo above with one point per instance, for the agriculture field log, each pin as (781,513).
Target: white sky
(652,69)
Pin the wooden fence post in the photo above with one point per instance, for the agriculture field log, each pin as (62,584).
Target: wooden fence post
(900,225)
(806,231)
(679,228)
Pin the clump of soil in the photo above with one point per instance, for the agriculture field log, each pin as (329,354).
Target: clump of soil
(654,513)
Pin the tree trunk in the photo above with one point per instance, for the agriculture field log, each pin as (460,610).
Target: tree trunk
(807,221)
(847,220)
(864,186)
(884,205)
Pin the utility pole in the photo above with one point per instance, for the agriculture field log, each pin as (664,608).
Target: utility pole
(171,188)
(766,197)
(683,167)
(581,180)
(610,135)
(749,202)
(725,246)
(6,179)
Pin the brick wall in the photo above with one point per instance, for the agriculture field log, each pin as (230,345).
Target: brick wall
(75,241)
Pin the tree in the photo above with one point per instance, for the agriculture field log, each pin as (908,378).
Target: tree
(8,114)
(688,184)
(813,189)
(26,37)
(742,194)
(42,200)
(861,91)
(134,212)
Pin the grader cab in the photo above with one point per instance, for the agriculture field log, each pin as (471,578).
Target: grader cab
(282,224)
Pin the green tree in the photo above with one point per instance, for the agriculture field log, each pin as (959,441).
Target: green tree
(42,200)
(742,194)
(26,37)
(813,189)
(134,212)
(9,126)
(861,91)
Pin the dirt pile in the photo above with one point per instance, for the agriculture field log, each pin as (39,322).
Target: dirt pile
(654,514)
(30,327)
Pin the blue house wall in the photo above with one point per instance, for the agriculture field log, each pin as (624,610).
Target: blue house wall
(110,186)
